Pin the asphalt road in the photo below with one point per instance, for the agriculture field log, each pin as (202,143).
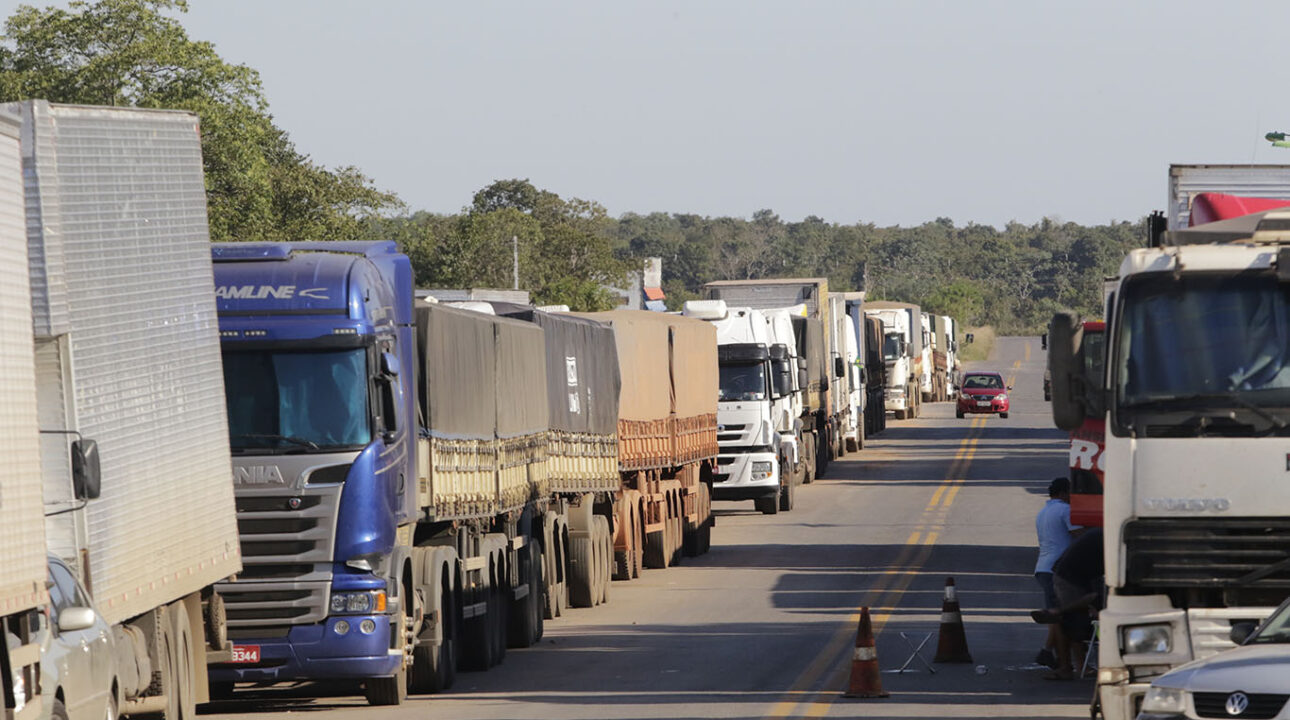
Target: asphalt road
(763,626)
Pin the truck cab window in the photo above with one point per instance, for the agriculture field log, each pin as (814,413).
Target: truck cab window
(743,382)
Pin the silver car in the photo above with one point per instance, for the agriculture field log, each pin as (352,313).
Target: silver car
(1249,682)
(78,655)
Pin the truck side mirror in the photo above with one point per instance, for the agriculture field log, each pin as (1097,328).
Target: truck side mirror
(803,381)
(1241,632)
(389,409)
(87,479)
(783,375)
(1043,341)
(839,367)
(864,374)
(1065,335)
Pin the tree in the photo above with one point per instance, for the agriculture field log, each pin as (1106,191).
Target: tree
(132,53)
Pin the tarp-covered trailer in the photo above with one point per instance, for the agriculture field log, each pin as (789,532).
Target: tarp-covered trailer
(667,428)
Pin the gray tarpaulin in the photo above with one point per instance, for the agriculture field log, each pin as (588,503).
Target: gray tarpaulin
(582,370)
(457,390)
(521,378)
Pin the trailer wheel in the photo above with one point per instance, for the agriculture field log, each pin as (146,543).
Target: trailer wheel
(501,606)
(678,533)
(606,545)
(582,569)
(787,496)
(655,552)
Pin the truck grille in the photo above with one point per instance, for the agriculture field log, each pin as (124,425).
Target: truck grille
(1261,707)
(1168,553)
(287,542)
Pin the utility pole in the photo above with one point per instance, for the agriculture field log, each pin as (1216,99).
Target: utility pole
(515,262)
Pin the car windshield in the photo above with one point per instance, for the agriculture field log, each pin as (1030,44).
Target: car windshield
(297,400)
(983,382)
(891,346)
(1275,630)
(1209,346)
(743,382)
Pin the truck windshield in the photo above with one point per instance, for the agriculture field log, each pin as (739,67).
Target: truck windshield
(1206,351)
(297,400)
(891,346)
(743,382)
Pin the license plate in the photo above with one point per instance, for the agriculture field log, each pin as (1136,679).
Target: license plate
(983,403)
(246,653)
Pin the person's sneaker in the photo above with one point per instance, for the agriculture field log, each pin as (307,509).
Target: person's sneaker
(1047,658)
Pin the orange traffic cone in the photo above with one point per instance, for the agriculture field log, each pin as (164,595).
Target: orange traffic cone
(951,646)
(865,681)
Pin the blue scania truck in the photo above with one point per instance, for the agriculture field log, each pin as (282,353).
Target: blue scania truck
(389,463)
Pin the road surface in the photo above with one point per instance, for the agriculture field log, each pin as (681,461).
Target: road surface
(763,626)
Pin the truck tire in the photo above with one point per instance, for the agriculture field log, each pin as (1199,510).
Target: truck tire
(434,669)
(501,606)
(392,690)
(606,556)
(808,462)
(787,497)
(767,505)
(185,680)
(582,569)
(477,647)
(656,555)
(522,631)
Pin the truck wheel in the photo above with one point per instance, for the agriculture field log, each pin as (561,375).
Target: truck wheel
(500,622)
(477,635)
(606,555)
(582,570)
(678,533)
(392,690)
(521,633)
(656,555)
(690,543)
(768,505)
(434,669)
(787,495)
(181,636)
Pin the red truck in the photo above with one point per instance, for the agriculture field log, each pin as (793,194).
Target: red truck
(1089,441)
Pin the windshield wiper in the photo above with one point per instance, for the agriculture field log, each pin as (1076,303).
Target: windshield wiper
(285,438)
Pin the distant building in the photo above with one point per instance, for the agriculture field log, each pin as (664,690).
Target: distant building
(645,288)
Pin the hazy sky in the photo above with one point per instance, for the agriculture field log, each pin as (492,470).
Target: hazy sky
(886,112)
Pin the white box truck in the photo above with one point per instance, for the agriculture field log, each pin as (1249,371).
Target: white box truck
(22,517)
(128,378)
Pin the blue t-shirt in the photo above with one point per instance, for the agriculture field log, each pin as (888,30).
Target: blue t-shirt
(1053,526)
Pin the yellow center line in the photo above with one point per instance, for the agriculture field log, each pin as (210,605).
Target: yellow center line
(1027,352)
(886,592)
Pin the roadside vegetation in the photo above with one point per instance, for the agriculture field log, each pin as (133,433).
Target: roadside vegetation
(981,346)
(260,187)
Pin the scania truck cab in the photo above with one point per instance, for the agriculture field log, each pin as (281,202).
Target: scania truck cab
(1197,416)
(316,337)
(758,425)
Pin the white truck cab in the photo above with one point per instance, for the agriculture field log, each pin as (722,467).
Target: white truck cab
(1197,409)
(759,406)
(896,354)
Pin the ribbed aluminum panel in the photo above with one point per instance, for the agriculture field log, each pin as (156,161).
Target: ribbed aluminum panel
(22,533)
(1185,181)
(143,345)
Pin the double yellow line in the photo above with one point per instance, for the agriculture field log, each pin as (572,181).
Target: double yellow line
(886,592)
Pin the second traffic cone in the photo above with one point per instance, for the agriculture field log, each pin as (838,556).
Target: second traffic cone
(865,681)
(951,645)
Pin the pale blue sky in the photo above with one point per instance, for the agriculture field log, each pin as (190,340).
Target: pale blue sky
(885,112)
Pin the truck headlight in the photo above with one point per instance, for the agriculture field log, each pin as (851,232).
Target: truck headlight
(762,470)
(1164,700)
(1139,639)
(357,602)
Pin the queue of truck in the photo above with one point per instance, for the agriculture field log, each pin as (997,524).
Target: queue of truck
(261,462)
(1175,406)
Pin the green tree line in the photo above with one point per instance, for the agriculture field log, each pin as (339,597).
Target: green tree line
(260,187)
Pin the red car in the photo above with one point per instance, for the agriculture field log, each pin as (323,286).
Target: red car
(982,392)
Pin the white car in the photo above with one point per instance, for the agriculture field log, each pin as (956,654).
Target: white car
(77,656)
(1249,682)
